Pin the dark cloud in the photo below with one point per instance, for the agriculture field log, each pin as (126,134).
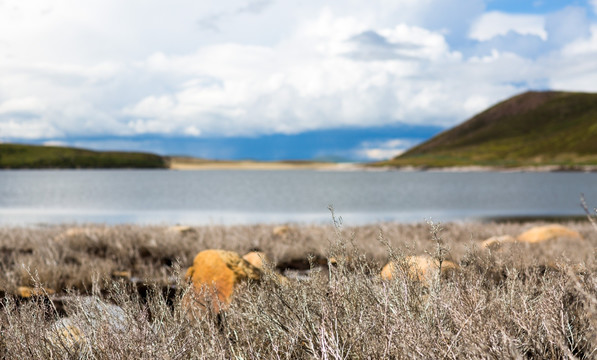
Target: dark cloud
(211,22)
(255,7)
(528,46)
(371,46)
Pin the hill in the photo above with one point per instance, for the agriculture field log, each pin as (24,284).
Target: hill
(531,129)
(17,156)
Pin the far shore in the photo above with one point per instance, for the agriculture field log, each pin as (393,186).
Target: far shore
(183,163)
(477,168)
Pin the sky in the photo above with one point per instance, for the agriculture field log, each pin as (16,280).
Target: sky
(271,79)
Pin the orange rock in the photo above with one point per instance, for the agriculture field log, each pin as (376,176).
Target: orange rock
(418,268)
(181,229)
(27,292)
(496,241)
(215,274)
(80,232)
(256,258)
(281,231)
(65,334)
(123,274)
(544,233)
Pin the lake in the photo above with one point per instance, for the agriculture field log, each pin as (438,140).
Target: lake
(245,197)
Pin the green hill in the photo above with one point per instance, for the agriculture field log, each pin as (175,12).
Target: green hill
(17,156)
(531,129)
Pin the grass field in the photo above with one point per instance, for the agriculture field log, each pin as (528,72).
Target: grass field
(533,301)
(16,156)
(531,129)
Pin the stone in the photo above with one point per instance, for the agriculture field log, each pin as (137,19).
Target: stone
(181,229)
(81,233)
(281,231)
(65,334)
(91,314)
(215,274)
(122,274)
(418,268)
(71,233)
(256,258)
(28,292)
(496,241)
(541,234)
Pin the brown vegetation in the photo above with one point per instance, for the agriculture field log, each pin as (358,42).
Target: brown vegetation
(527,300)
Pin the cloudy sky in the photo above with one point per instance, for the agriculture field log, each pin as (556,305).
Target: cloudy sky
(278,79)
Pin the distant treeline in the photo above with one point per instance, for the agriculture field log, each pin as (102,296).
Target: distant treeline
(17,156)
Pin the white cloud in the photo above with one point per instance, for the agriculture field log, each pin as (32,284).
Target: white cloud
(576,69)
(383,150)
(496,23)
(108,67)
(54,143)
(585,46)
(36,129)
(21,105)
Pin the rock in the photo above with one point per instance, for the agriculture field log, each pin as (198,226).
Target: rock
(65,334)
(181,229)
(337,260)
(418,268)
(122,274)
(497,241)
(541,234)
(80,233)
(91,314)
(215,274)
(256,258)
(281,231)
(72,233)
(28,292)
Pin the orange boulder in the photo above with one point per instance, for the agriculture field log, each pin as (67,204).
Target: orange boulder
(496,241)
(215,274)
(281,231)
(181,229)
(540,234)
(418,268)
(28,292)
(256,258)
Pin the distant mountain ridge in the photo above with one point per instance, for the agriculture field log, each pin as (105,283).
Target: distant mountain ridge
(530,129)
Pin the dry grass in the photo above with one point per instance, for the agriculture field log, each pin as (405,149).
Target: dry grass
(519,301)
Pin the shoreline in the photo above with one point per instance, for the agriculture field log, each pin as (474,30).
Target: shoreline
(193,164)
(480,168)
(199,164)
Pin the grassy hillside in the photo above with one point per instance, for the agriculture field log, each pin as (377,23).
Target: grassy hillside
(16,156)
(531,129)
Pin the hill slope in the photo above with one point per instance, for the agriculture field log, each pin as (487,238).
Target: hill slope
(17,156)
(531,129)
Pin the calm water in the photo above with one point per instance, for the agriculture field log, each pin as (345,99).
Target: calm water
(231,197)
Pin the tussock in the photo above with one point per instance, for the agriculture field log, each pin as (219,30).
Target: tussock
(523,300)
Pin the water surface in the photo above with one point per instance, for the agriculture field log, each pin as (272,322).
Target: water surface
(236,197)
